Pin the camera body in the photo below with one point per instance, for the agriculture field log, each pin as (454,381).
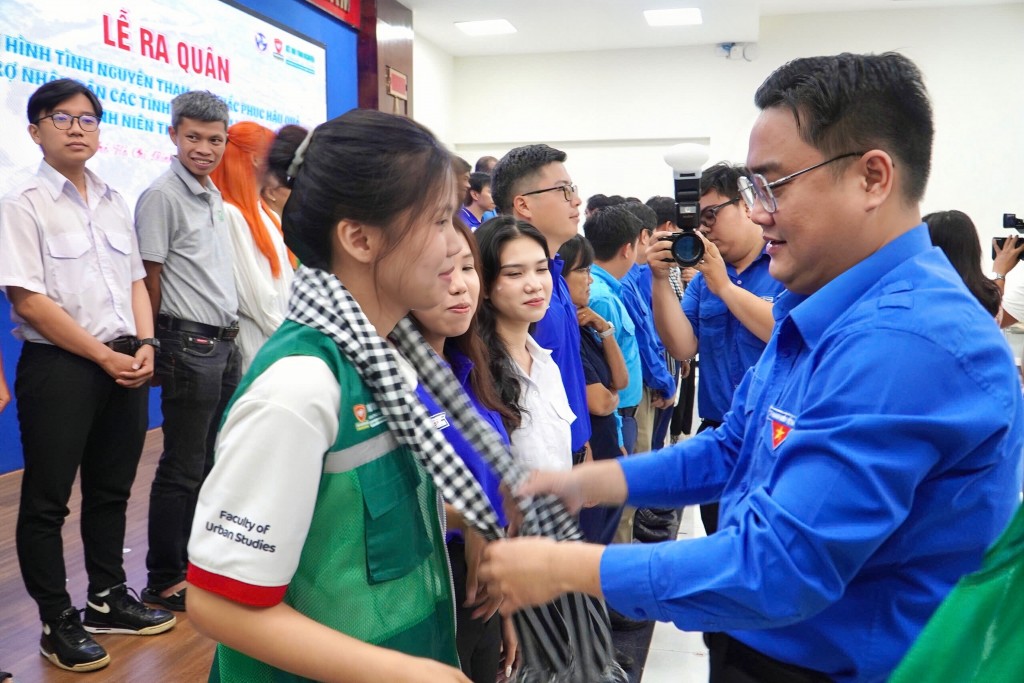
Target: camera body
(687,246)
(1010,222)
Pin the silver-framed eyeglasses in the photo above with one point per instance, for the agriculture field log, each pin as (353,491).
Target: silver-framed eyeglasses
(757,187)
(568,191)
(62,121)
(709,215)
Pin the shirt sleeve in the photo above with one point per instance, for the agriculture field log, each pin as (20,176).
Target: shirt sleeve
(1013,298)
(691,303)
(21,256)
(257,298)
(154,220)
(652,362)
(256,506)
(844,480)
(138,270)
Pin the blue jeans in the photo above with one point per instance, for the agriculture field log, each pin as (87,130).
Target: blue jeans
(198,376)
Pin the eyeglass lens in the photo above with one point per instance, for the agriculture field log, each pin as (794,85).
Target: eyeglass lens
(64,121)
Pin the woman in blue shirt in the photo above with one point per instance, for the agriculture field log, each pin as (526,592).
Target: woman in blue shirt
(450,329)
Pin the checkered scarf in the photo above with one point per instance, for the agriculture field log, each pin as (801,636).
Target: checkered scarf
(568,640)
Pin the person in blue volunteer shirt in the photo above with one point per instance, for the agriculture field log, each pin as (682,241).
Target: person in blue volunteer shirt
(450,329)
(659,382)
(726,311)
(872,453)
(532,184)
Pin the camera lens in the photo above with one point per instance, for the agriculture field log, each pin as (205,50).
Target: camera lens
(688,249)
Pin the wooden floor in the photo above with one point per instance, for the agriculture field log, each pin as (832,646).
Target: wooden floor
(178,655)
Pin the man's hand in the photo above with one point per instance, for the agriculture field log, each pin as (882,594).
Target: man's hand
(534,571)
(141,368)
(586,485)
(712,267)
(659,255)
(663,402)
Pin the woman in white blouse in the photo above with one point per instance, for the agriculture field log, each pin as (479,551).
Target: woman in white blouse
(263,271)
(516,293)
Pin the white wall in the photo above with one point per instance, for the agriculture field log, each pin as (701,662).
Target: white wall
(615,111)
(432,87)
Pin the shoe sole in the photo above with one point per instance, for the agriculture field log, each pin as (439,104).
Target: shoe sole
(148,631)
(162,602)
(86,666)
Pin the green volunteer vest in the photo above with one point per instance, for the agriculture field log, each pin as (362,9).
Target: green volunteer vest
(374,565)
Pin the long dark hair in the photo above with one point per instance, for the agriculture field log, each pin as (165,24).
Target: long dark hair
(492,237)
(365,166)
(955,234)
(471,344)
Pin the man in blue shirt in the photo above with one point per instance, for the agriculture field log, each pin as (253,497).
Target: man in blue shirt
(727,308)
(613,232)
(532,184)
(872,453)
(659,382)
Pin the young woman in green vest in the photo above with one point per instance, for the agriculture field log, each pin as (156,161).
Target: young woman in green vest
(317,550)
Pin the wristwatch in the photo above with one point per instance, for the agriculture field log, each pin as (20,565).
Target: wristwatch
(150,341)
(998,276)
(608,332)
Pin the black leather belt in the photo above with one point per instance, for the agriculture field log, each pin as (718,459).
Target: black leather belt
(201,329)
(628,412)
(125,345)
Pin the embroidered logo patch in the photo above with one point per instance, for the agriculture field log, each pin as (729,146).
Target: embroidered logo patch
(368,416)
(782,425)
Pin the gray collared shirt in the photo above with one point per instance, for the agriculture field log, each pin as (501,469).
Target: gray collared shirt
(182,225)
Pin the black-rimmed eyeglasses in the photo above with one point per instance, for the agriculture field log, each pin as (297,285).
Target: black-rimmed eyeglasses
(756,187)
(709,215)
(568,191)
(61,121)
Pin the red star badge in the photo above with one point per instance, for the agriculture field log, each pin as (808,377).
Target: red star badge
(779,433)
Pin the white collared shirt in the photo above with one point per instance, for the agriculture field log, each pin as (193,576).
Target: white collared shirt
(82,255)
(544,440)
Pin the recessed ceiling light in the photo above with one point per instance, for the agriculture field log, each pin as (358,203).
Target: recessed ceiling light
(687,16)
(491,27)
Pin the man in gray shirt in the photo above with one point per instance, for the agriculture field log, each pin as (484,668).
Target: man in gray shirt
(186,250)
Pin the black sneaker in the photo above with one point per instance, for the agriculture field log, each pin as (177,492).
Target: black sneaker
(66,644)
(174,601)
(119,611)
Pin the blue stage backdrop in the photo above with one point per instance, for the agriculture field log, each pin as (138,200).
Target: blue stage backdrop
(276,61)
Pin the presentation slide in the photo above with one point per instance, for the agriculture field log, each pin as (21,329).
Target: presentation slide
(136,57)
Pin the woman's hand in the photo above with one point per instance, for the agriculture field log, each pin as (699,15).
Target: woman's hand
(586,317)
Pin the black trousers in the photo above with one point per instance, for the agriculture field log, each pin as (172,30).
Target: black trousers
(478,641)
(73,416)
(709,511)
(198,376)
(734,662)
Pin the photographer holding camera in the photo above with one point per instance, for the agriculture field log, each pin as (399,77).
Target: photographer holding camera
(727,309)
(1007,252)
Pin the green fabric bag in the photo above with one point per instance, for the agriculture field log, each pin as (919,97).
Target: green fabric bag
(977,634)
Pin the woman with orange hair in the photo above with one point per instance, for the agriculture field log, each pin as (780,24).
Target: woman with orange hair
(263,272)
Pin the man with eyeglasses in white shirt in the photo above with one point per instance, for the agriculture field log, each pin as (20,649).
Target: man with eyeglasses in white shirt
(71,268)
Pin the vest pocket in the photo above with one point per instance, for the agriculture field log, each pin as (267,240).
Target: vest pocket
(396,535)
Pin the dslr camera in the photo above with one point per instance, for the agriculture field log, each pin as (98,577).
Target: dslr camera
(1010,222)
(687,246)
